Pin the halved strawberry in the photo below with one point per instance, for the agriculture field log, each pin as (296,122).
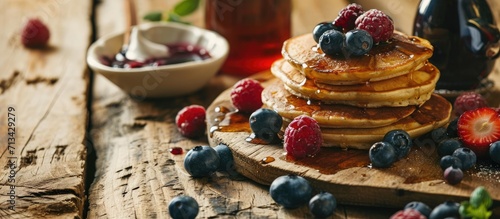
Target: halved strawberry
(478,129)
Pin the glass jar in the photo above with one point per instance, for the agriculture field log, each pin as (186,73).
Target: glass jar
(255,30)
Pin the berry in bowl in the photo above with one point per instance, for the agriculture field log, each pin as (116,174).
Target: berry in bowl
(162,59)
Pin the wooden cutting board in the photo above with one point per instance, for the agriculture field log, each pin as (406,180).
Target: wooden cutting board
(347,173)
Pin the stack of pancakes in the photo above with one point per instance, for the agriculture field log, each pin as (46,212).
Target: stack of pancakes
(358,99)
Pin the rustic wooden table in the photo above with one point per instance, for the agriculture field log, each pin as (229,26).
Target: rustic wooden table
(81,148)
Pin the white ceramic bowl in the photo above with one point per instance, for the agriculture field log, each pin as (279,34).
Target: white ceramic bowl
(167,80)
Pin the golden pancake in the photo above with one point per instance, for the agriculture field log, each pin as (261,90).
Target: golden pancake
(276,97)
(410,89)
(432,114)
(401,55)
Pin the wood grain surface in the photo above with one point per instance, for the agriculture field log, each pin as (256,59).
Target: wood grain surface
(47,88)
(119,165)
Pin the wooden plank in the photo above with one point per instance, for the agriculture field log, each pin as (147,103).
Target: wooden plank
(47,90)
(136,176)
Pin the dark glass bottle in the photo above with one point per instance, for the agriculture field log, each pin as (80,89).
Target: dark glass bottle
(465,40)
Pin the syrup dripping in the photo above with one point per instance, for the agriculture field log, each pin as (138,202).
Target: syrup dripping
(267,160)
(254,140)
(332,160)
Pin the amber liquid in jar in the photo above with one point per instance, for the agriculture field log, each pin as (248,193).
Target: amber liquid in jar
(255,30)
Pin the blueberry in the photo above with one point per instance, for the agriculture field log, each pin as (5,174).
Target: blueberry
(439,134)
(453,175)
(452,129)
(467,156)
(382,154)
(495,151)
(332,42)
(322,27)
(266,124)
(448,146)
(225,158)
(290,191)
(445,210)
(183,207)
(448,161)
(322,205)
(201,161)
(358,42)
(401,141)
(420,207)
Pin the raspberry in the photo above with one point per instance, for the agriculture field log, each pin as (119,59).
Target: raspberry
(190,121)
(246,95)
(35,34)
(378,24)
(408,214)
(347,16)
(468,101)
(302,137)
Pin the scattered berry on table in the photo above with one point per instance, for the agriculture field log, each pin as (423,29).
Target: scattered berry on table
(35,34)
(266,124)
(408,213)
(290,191)
(439,134)
(302,137)
(421,207)
(466,156)
(448,146)
(495,151)
(183,207)
(382,154)
(448,161)
(468,101)
(201,161)
(400,140)
(479,128)
(321,28)
(225,158)
(190,121)
(377,23)
(358,42)
(447,209)
(246,95)
(332,42)
(453,175)
(452,128)
(347,16)
(322,205)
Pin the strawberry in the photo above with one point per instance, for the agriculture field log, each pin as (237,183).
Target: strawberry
(479,128)
(35,34)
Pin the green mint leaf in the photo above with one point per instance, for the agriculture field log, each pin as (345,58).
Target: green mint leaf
(153,16)
(175,18)
(186,7)
(480,197)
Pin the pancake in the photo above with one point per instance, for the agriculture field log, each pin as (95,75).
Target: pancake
(432,114)
(413,88)
(401,55)
(289,106)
